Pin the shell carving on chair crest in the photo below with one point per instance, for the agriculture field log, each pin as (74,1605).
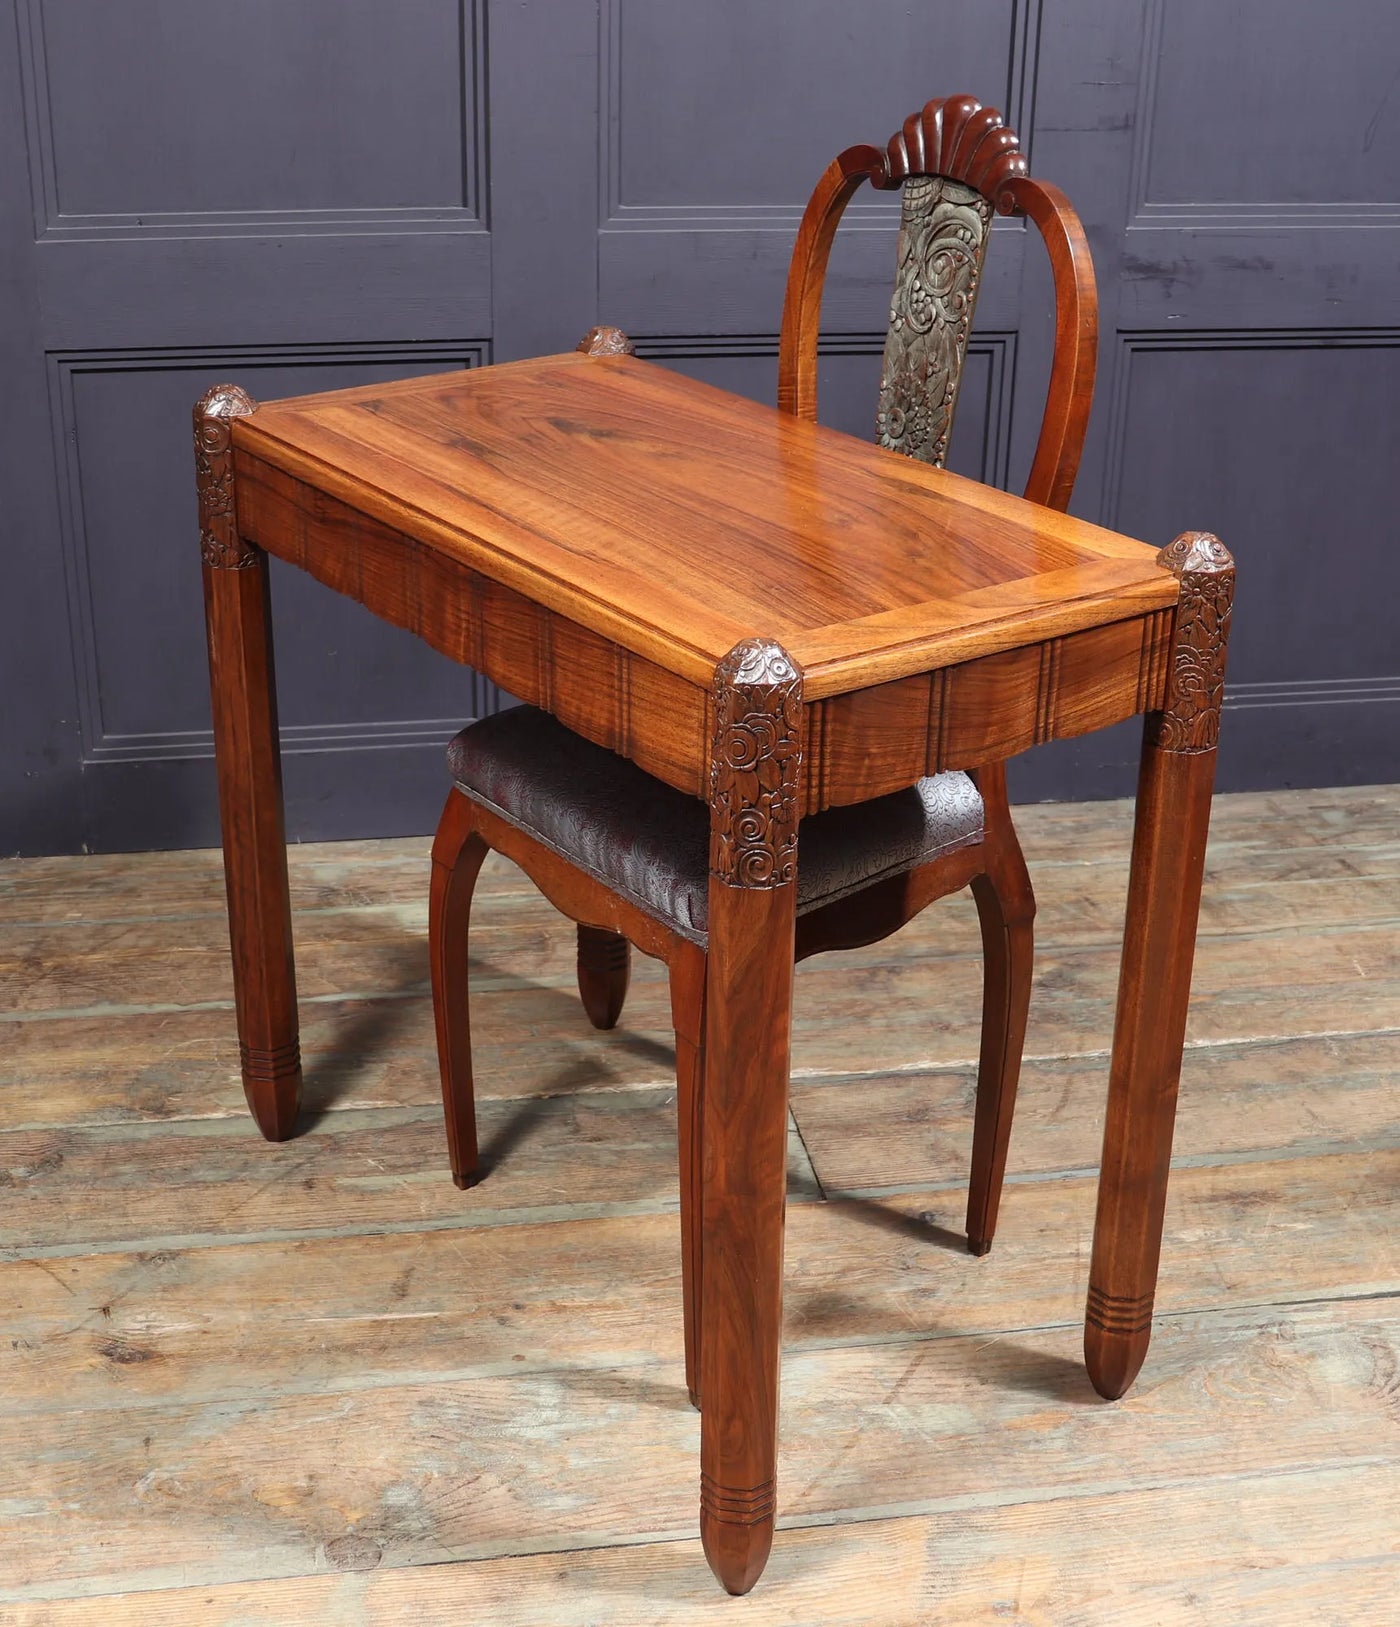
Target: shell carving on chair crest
(957,137)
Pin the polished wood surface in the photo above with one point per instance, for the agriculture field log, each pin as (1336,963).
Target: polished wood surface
(675,519)
(774,617)
(232,1370)
(1159,940)
(243,688)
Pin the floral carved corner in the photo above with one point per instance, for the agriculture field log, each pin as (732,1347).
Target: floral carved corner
(606,342)
(756,766)
(1190,720)
(219,542)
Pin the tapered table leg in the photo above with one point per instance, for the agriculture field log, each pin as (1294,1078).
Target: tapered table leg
(752,919)
(238,621)
(1164,891)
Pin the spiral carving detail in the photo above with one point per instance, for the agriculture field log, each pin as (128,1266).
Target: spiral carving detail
(219,542)
(942,245)
(756,765)
(1190,720)
(606,342)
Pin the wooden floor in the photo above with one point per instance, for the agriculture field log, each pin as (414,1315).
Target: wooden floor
(315,1383)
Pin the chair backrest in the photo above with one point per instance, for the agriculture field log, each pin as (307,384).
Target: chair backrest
(958,164)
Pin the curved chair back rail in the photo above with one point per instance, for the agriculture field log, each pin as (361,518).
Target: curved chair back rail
(958,163)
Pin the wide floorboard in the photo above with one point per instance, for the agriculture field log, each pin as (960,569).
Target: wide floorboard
(315,1383)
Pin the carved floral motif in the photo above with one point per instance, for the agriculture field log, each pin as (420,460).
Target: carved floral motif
(219,542)
(757,759)
(942,244)
(1190,720)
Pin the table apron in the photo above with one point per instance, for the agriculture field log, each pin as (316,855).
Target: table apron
(606,693)
(857,745)
(986,710)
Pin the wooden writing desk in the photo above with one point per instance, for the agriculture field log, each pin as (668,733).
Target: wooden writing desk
(776,618)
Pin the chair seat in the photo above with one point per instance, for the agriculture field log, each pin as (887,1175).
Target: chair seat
(650,843)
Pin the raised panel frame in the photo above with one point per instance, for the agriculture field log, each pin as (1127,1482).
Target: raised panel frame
(615,214)
(1287,694)
(98,745)
(52,225)
(1145,213)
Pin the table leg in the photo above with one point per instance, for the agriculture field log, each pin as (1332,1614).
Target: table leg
(243,686)
(752,922)
(1164,890)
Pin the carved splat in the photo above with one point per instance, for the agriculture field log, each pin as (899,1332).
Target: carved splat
(942,247)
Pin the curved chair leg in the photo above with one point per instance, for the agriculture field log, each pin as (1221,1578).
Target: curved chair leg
(1006,910)
(458,851)
(604,970)
(688,1019)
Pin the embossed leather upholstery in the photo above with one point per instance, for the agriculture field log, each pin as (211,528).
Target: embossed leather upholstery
(650,843)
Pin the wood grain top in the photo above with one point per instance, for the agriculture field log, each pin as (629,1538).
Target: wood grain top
(678,519)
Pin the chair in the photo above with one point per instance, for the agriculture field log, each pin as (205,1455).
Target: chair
(626,857)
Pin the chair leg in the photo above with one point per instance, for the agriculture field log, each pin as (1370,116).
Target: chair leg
(1006,910)
(604,970)
(458,851)
(688,1019)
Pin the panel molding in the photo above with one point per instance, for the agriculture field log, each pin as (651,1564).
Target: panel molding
(999,348)
(1145,214)
(1132,342)
(52,225)
(1311,692)
(865,212)
(97,743)
(300,738)
(1285,694)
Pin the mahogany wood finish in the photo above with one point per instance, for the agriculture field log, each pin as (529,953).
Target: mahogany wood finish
(238,621)
(466,833)
(754,812)
(604,970)
(1164,893)
(458,852)
(605,958)
(665,519)
(773,617)
(959,142)
(1006,912)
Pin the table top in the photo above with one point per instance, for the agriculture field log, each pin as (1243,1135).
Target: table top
(679,519)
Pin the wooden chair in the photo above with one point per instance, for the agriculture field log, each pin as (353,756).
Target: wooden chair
(626,856)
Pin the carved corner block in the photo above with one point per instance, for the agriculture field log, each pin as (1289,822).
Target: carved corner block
(606,342)
(755,769)
(214,412)
(1190,720)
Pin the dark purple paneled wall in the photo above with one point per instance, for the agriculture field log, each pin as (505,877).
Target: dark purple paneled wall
(301,197)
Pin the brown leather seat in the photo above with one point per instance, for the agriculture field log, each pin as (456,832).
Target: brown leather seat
(650,843)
